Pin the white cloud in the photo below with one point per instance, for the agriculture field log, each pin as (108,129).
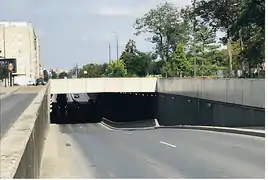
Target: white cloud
(133,10)
(121,11)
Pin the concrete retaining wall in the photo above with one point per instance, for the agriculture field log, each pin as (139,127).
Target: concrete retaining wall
(175,109)
(247,92)
(22,146)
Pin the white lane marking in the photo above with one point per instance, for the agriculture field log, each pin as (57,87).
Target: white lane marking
(171,145)
(128,133)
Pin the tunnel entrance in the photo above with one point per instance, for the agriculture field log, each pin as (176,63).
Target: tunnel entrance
(92,108)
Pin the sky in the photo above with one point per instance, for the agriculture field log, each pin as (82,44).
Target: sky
(80,31)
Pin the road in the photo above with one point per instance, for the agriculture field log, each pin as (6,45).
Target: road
(11,108)
(92,151)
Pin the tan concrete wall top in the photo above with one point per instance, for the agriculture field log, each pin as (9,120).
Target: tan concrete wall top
(95,85)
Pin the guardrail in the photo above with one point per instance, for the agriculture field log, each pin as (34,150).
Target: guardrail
(22,147)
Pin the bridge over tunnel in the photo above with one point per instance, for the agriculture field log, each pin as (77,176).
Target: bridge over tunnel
(93,107)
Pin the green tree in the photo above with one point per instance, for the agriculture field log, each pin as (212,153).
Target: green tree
(221,15)
(45,73)
(116,68)
(3,72)
(103,68)
(249,29)
(166,27)
(180,65)
(54,75)
(62,75)
(156,67)
(137,63)
(93,70)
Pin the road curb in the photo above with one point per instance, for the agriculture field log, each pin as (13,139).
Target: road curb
(9,93)
(126,129)
(218,129)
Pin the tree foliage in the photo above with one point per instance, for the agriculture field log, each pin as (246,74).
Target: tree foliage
(171,30)
(45,73)
(116,68)
(3,72)
(54,75)
(62,75)
(137,62)
(166,28)
(243,21)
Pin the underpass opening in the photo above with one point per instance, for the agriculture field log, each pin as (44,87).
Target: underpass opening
(94,107)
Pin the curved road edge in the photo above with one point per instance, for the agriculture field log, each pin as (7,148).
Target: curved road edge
(129,126)
(250,132)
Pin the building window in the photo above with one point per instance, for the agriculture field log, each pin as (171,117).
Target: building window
(35,44)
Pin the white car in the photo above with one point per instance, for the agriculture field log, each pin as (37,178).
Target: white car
(30,83)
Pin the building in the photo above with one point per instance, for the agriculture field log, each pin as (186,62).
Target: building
(18,41)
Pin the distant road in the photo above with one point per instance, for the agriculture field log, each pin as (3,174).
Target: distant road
(161,153)
(13,106)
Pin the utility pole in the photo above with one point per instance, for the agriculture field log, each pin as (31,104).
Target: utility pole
(110,53)
(4,49)
(194,34)
(76,69)
(117,45)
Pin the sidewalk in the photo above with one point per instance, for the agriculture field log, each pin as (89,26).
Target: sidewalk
(252,131)
(6,91)
(261,128)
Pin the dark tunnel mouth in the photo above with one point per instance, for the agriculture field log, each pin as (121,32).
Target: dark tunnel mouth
(169,109)
(117,107)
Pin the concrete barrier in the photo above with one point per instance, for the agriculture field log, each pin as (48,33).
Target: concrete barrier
(247,92)
(175,109)
(22,147)
(211,102)
(98,85)
(128,126)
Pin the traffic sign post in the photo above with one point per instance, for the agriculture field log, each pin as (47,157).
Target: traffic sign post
(10,68)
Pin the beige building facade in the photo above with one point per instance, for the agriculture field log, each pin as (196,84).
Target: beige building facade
(18,40)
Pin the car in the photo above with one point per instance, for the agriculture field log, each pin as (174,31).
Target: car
(40,82)
(30,83)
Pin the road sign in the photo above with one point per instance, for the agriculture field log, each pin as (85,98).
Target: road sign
(10,67)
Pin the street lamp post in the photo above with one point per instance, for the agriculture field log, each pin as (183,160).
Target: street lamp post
(76,69)
(194,34)
(117,46)
(4,50)
(109,52)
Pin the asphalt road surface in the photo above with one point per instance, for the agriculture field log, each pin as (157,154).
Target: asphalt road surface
(11,108)
(92,151)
